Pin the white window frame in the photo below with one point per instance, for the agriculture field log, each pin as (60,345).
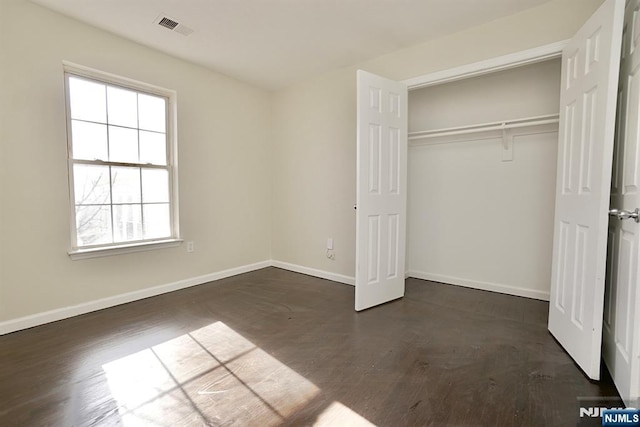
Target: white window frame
(75,252)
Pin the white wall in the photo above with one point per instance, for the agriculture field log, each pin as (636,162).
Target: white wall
(315,129)
(224,135)
(473,219)
(314,174)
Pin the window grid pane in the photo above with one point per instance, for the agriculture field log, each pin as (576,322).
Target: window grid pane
(125,183)
(91,185)
(153,147)
(127,222)
(158,220)
(123,144)
(117,201)
(89,140)
(93,225)
(152,112)
(87,100)
(122,107)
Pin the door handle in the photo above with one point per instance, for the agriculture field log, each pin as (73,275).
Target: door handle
(622,214)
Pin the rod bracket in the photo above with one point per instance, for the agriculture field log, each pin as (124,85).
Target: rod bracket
(507,144)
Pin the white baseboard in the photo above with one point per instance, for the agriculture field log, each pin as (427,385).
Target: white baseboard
(347,280)
(75,310)
(486,286)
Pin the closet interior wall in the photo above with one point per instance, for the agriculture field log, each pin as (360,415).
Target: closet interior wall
(476,218)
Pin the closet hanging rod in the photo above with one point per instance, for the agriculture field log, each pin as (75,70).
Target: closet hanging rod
(484,127)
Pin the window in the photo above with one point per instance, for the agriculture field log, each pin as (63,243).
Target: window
(121,163)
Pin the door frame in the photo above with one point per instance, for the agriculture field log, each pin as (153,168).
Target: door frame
(487,66)
(475,69)
(492,65)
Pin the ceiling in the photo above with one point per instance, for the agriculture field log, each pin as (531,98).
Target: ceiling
(274,43)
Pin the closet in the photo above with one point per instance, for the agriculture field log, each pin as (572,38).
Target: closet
(481,163)
(501,195)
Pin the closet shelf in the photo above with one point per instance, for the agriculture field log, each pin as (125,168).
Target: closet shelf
(485,127)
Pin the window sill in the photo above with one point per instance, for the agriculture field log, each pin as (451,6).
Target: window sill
(123,249)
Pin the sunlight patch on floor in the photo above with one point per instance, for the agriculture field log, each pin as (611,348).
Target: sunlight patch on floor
(339,415)
(210,375)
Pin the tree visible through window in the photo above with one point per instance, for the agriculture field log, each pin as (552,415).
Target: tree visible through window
(120,164)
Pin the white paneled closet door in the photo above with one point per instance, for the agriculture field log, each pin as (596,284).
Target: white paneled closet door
(381,192)
(621,332)
(590,66)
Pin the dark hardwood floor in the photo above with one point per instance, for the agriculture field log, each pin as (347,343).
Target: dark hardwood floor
(273,347)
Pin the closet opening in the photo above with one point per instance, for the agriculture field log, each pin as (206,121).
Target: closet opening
(482,162)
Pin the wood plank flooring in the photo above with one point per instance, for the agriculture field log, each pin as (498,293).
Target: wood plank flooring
(274,347)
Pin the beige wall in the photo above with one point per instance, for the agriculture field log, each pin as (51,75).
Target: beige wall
(528,91)
(224,134)
(315,129)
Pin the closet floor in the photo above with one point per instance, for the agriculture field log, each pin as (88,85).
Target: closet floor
(274,347)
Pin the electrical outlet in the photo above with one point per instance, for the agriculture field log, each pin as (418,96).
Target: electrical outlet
(330,243)
(190,246)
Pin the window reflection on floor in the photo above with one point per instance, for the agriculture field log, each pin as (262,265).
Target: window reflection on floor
(213,376)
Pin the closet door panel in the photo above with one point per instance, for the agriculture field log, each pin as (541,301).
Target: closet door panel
(588,103)
(381,190)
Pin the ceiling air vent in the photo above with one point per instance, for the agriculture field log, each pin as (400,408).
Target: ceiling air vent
(168,23)
(173,25)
